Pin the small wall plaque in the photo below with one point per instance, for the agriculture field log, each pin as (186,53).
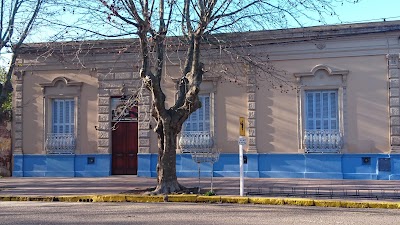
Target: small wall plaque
(384,165)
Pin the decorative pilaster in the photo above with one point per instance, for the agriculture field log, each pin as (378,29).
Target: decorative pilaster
(144,122)
(251,109)
(394,101)
(103,116)
(18,131)
(104,126)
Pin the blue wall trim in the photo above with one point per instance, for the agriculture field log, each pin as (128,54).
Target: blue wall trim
(318,166)
(321,166)
(61,165)
(18,168)
(100,168)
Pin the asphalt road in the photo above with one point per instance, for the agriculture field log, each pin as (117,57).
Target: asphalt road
(186,214)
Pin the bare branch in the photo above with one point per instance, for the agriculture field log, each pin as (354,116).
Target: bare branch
(66,27)
(115,12)
(1,23)
(217,17)
(29,25)
(11,26)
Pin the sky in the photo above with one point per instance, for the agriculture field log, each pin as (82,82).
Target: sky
(369,11)
(361,12)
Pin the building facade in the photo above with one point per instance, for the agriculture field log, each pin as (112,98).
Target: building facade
(340,118)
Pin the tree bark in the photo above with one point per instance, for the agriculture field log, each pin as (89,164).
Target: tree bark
(169,122)
(167,181)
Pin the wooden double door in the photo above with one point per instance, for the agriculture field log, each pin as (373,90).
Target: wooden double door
(125,148)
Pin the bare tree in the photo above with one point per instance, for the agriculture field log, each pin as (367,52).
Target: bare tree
(17,18)
(199,26)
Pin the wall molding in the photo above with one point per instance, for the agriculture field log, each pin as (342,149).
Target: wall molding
(394,101)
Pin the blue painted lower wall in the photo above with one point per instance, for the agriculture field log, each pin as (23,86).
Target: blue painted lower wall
(93,165)
(318,166)
(321,166)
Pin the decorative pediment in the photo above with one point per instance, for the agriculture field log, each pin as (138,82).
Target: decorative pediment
(61,86)
(67,82)
(329,70)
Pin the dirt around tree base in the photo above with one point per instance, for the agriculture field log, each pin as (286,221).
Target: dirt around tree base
(150,191)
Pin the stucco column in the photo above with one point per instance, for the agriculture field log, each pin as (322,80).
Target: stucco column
(18,112)
(144,122)
(394,102)
(251,109)
(104,123)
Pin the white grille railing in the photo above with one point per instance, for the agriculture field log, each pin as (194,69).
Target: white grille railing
(323,141)
(200,144)
(60,143)
(190,141)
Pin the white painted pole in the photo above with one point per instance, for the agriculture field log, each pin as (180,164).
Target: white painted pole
(241,168)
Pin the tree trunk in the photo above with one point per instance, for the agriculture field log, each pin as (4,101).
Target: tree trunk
(167,181)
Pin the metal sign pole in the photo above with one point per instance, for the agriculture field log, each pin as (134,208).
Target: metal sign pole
(242,143)
(241,167)
(198,165)
(212,174)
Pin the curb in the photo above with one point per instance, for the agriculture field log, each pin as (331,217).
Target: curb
(207,199)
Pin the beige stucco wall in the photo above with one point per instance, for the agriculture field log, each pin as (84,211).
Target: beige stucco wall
(276,118)
(33,117)
(231,103)
(366,116)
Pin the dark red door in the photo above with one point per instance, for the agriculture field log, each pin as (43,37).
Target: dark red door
(125,148)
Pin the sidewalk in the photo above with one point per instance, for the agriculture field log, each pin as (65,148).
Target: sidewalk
(39,186)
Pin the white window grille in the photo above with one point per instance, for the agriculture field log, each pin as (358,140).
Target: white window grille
(322,132)
(61,140)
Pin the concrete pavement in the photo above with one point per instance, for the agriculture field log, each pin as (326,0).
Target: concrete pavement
(312,189)
(45,186)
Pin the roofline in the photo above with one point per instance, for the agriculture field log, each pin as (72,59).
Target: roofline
(266,36)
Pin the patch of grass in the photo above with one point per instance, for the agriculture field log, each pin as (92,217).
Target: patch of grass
(209,193)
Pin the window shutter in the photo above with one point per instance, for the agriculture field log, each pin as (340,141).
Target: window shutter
(55,116)
(321,110)
(310,110)
(206,113)
(72,113)
(63,116)
(200,119)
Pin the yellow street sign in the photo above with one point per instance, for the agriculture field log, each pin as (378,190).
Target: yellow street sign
(242,127)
